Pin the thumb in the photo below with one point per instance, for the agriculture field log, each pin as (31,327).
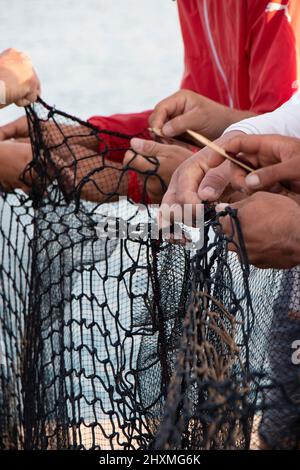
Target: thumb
(180,124)
(214,183)
(273,174)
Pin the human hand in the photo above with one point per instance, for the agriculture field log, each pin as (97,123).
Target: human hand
(188,110)
(14,167)
(18,80)
(74,160)
(202,177)
(155,164)
(276,158)
(14,158)
(270,225)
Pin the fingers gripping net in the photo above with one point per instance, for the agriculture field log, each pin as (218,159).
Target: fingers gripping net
(129,342)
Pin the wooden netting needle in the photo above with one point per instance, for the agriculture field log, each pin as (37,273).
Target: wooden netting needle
(212,145)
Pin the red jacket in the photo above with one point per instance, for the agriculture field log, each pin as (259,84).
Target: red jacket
(241,53)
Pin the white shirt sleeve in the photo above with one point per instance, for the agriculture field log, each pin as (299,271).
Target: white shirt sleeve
(284,120)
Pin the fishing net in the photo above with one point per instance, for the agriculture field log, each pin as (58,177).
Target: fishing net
(131,341)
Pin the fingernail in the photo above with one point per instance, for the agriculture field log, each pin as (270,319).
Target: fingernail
(252,180)
(137,144)
(129,155)
(168,130)
(221,207)
(208,193)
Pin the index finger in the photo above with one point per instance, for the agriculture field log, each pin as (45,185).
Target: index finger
(167,108)
(182,206)
(182,193)
(168,207)
(190,175)
(261,149)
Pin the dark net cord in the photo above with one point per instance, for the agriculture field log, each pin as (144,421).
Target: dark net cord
(133,342)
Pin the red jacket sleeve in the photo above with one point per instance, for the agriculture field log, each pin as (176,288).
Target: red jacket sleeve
(272,45)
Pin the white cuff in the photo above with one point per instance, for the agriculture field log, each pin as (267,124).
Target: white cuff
(242,126)
(284,120)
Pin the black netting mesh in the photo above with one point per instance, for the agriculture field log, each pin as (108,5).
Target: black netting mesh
(133,342)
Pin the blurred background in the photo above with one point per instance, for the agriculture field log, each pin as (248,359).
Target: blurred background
(96,56)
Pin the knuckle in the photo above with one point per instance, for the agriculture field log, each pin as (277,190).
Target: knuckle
(181,198)
(183,92)
(268,175)
(150,147)
(153,115)
(197,109)
(12,51)
(159,106)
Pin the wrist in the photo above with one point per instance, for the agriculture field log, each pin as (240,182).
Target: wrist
(237,115)
(227,117)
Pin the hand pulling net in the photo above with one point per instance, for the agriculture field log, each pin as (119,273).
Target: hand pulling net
(131,342)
